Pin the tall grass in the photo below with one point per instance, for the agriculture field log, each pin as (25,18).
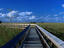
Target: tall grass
(7,34)
(55,28)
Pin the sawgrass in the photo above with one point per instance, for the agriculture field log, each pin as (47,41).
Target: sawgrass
(7,34)
(55,28)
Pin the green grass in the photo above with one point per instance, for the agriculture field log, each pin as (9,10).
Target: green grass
(7,34)
(55,28)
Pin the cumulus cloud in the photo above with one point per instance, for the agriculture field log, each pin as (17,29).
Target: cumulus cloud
(12,14)
(2,15)
(16,16)
(25,13)
(28,13)
(32,17)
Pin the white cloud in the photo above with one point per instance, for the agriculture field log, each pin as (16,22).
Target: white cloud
(28,13)
(25,13)
(16,16)
(32,17)
(2,15)
(63,5)
(12,14)
(22,14)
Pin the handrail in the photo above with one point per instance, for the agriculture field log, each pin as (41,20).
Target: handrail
(58,42)
(42,39)
(12,43)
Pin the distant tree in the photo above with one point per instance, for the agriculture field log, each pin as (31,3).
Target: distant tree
(0,21)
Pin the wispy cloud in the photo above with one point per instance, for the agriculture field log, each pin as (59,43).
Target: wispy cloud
(56,15)
(62,5)
(61,13)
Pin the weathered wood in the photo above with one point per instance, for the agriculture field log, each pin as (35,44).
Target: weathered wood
(57,42)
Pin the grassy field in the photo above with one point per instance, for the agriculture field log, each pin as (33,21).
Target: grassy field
(7,34)
(55,28)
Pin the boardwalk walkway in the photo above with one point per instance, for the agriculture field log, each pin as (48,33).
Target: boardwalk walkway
(32,40)
(34,36)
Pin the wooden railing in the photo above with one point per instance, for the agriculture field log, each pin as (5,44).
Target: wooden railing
(50,40)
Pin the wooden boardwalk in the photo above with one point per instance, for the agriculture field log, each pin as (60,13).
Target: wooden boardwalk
(33,40)
(34,36)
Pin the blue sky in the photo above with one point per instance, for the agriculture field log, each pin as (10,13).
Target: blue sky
(32,10)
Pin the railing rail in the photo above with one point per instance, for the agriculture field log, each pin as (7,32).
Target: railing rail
(12,43)
(56,41)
